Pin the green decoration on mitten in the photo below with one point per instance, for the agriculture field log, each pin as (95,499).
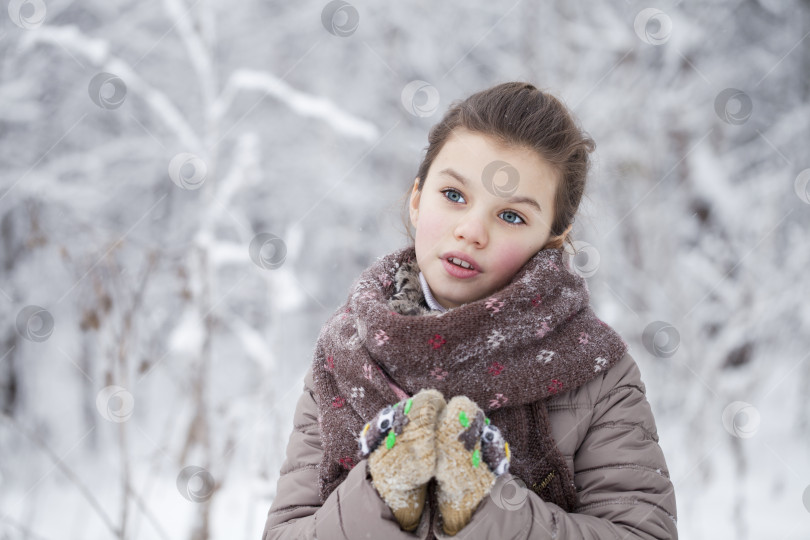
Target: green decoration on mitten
(464,438)
(401,468)
(390,440)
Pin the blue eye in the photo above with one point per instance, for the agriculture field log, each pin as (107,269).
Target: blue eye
(517,216)
(449,191)
(446,191)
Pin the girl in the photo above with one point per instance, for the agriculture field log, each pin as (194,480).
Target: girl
(466,389)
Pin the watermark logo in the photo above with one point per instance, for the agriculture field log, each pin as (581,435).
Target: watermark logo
(509,495)
(741,419)
(187,171)
(661,339)
(27,14)
(802,186)
(106,90)
(115,403)
(268,251)
(340,18)
(34,323)
(195,484)
(358,338)
(653,26)
(733,106)
(506,188)
(586,259)
(420,98)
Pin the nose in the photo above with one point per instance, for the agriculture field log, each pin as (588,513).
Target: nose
(471,227)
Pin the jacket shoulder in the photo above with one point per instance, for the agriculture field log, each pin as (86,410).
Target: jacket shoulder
(571,413)
(624,373)
(621,386)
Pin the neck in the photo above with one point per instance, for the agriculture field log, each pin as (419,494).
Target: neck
(428,295)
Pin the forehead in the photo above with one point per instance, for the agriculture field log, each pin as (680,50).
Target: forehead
(472,154)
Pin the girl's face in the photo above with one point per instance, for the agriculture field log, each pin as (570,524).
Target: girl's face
(470,205)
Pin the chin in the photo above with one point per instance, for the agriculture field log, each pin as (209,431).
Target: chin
(464,300)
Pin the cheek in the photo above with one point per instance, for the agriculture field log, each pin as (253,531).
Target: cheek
(510,258)
(431,225)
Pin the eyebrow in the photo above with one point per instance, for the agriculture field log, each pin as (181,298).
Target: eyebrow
(513,200)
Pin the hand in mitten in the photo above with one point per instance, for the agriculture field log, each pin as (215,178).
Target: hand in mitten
(401,448)
(471,455)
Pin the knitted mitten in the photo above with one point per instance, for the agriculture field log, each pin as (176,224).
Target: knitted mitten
(471,455)
(400,443)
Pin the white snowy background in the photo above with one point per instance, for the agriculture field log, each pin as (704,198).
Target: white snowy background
(187,190)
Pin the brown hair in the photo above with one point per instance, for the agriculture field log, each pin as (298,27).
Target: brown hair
(518,114)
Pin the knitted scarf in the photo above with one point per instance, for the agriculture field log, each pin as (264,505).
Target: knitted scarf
(509,352)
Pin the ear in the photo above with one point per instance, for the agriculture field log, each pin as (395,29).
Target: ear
(413,207)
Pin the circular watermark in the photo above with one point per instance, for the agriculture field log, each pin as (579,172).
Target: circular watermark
(428,412)
(115,403)
(27,14)
(806,498)
(187,171)
(195,484)
(586,259)
(34,323)
(358,338)
(733,106)
(340,18)
(741,419)
(428,101)
(801,186)
(506,188)
(511,494)
(107,90)
(268,251)
(653,26)
(661,339)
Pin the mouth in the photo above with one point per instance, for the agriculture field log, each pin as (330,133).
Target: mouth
(461,260)
(460,266)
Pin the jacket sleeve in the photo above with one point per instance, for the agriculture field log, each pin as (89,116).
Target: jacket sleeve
(353,510)
(622,481)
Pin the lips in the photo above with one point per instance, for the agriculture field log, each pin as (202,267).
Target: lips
(463,256)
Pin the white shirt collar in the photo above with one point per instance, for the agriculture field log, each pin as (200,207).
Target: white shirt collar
(428,295)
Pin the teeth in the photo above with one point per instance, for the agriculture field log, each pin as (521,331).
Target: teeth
(459,262)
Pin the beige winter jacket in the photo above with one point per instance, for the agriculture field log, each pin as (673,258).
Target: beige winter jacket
(605,429)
